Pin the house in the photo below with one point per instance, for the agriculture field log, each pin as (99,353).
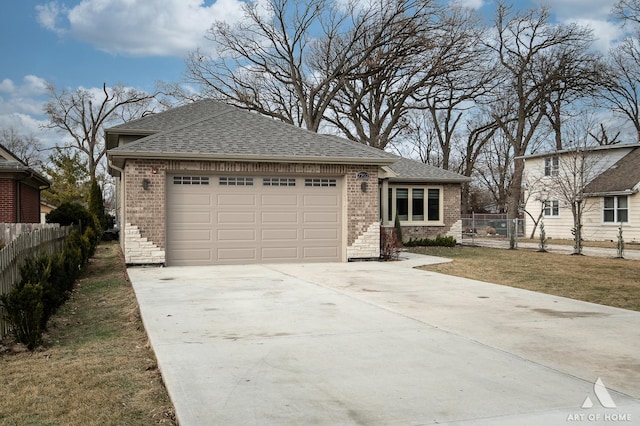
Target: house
(45,208)
(604,179)
(209,183)
(20,188)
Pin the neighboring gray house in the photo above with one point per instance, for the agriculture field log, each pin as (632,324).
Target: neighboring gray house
(209,183)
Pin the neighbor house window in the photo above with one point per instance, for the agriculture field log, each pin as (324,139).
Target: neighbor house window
(414,204)
(616,209)
(551,166)
(551,208)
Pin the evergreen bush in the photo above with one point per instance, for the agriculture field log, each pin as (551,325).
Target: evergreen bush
(436,242)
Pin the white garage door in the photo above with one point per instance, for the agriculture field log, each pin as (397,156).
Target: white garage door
(252,219)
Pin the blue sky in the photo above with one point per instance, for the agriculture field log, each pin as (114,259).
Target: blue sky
(73,43)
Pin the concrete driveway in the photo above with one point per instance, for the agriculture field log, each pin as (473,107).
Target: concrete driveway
(375,343)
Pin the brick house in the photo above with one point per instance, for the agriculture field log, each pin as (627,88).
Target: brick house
(209,183)
(20,188)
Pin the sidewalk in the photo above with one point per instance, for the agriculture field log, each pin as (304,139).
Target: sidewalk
(632,254)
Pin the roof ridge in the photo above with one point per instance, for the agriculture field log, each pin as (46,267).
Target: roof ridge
(182,126)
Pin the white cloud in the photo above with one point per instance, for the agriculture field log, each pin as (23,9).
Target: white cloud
(7,86)
(470,4)
(140,27)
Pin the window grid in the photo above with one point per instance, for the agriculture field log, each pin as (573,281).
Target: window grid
(235,181)
(551,166)
(616,209)
(551,208)
(191,180)
(414,204)
(279,181)
(320,182)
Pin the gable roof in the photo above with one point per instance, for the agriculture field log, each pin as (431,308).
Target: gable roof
(14,167)
(622,177)
(212,130)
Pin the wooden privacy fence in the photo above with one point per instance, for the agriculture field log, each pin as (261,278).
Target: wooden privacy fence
(38,240)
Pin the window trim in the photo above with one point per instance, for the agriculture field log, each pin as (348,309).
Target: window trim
(392,205)
(551,209)
(551,166)
(615,209)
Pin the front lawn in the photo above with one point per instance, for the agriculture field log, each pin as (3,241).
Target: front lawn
(606,281)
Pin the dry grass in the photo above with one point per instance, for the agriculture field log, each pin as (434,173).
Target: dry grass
(96,367)
(606,281)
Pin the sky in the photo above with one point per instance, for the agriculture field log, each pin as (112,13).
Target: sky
(84,43)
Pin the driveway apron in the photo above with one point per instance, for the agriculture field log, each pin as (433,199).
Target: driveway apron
(374,343)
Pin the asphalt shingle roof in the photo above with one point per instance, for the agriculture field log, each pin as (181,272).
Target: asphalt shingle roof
(210,129)
(408,169)
(622,176)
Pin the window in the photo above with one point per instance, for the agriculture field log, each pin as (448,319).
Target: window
(320,182)
(551,208)
(279,182)
(616,209)
(190,180)
(236,181)
(414,204)
(551,166)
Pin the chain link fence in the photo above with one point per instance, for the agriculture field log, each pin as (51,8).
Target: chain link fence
(488,225)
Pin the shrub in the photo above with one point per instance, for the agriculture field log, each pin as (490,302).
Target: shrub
(71,214)
(437,242)
(390,244)
(24,311)
(398,228)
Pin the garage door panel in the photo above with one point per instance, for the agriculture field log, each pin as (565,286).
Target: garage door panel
(318,234)
(236,217)
(227,200)
(320,253)
(237,254)
(279,199)
(279,253)
(287,234)
(193,218)
(279,217)
(237,235)
(321,217)
(325,200)
(233,222)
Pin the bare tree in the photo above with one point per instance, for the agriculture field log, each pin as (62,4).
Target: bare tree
(431,54)
(627,10)
(82,115)
(495,169)
(289,59)
(26,147)
(526,45)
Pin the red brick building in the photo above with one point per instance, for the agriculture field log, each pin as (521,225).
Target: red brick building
(20,188)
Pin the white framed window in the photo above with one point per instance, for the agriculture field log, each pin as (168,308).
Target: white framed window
(415,204)
(551,208)
(616,209)
(551,166)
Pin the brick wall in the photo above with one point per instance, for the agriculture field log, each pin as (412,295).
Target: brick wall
(451,215)
(7,201)
(29,204)
(363,214)
(145,212)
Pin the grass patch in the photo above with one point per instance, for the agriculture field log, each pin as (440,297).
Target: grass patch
(95,367)
(606,281)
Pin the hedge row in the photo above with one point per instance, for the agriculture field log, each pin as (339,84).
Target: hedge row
(437,242)
(45,285)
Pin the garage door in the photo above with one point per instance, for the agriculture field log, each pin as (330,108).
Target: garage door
(252,219)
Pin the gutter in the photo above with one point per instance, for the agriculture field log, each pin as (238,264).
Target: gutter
(252,157)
